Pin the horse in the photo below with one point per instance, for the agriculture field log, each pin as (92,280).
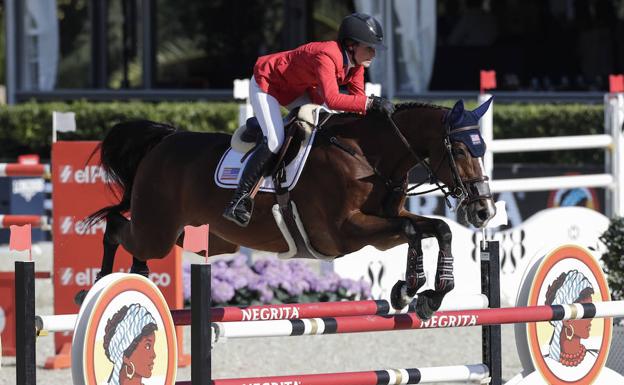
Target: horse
(350,194)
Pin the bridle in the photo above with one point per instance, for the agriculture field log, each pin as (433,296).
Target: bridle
(465,191)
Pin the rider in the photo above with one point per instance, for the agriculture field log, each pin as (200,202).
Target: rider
(311,72)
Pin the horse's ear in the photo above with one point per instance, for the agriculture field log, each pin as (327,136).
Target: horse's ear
(482,109)
(457,112)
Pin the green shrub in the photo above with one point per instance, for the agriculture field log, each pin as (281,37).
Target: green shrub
(26,128)
(613,258)
(549,120)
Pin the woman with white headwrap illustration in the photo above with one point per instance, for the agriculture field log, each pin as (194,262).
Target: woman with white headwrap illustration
(129,341)
(566,349)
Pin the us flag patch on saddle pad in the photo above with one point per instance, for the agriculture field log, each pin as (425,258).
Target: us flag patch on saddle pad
(230,173)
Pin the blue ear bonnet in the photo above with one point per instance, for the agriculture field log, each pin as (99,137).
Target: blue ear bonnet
(464,127)
(472,139)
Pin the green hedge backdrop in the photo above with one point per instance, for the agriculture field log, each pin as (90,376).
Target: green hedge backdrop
(27,127)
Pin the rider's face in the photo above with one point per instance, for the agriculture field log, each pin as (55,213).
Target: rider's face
(363,55)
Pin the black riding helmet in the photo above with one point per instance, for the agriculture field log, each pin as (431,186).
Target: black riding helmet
(362,28)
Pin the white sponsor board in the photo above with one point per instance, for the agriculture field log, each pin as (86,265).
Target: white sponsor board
(519,244)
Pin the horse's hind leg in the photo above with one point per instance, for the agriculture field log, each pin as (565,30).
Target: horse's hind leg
(116,233)
(110,243)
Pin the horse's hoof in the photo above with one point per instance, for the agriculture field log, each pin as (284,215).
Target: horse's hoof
(428,302)
(80,297)
(398,298)
(423,307)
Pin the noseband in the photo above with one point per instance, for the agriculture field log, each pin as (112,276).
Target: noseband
(465,191)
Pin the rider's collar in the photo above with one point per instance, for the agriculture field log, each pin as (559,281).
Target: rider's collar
(346,61)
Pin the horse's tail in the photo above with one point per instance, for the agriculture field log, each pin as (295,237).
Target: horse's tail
(121,151)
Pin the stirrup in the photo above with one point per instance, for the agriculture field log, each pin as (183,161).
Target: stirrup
(240,211)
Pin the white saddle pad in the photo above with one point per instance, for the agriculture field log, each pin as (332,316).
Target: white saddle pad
(230,168)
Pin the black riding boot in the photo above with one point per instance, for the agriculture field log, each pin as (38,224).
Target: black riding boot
(241,205)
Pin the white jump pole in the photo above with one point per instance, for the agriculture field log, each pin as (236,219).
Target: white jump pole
(477,373)
(65,322)
(55,323)
(614,119)
(241,92)
(487,132)
(619,156)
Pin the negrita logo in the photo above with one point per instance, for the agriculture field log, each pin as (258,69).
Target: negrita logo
(85,175)
(70,226)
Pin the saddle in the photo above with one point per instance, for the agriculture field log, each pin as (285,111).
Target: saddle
(298,125)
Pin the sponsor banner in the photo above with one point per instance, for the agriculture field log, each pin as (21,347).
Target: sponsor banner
(80,189)
(7,313)
(572,351)
(124,334)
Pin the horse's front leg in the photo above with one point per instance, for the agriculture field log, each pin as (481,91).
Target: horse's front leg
(404,291)
(384,233)
(429,301)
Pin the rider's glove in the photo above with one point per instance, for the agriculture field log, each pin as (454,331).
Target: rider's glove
(375,103)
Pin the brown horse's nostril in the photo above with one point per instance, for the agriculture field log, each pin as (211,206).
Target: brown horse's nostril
(483,214)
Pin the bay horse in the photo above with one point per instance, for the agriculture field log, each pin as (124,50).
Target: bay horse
(347,199)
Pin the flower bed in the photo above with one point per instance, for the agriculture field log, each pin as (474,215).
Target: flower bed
(274,281)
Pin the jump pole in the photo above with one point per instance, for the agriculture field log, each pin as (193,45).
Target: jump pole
(322,309)
(182,317)
(463,373)
(440,320)
(26,170)
(201,331)
(25,354)
(491,344)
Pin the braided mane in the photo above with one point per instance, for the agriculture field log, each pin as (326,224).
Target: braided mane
(408,105)
(399,107)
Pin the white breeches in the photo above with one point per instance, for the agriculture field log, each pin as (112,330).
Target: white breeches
(267,110)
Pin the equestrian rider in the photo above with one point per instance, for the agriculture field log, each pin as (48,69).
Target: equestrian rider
(312,72)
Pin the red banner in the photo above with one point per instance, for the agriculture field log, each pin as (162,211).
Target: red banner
(7,312)
(616,83)
(488,80)
(79,190)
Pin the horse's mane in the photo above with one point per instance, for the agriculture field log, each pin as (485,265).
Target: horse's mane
(338,117)
(409,105)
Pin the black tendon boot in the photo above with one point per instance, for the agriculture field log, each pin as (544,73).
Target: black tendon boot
(241,205)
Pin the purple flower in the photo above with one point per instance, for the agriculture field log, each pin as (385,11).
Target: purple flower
(236,280)
(221,291)
(266,295)
(365,289)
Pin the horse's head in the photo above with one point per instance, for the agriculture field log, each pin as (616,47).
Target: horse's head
(465,149)
(463,170)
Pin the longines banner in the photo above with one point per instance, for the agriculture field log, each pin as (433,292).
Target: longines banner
(79,190)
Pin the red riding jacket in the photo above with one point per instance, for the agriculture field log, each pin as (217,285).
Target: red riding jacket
(318,68)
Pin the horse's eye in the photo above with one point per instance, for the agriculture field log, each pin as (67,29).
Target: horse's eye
(459,152)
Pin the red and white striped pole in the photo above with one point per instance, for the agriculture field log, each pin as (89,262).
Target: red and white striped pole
(458,373)
(40,221)
(323,309)
(443,319)
(26,170)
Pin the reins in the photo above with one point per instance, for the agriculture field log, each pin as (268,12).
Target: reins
(431,175)
(460,191)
